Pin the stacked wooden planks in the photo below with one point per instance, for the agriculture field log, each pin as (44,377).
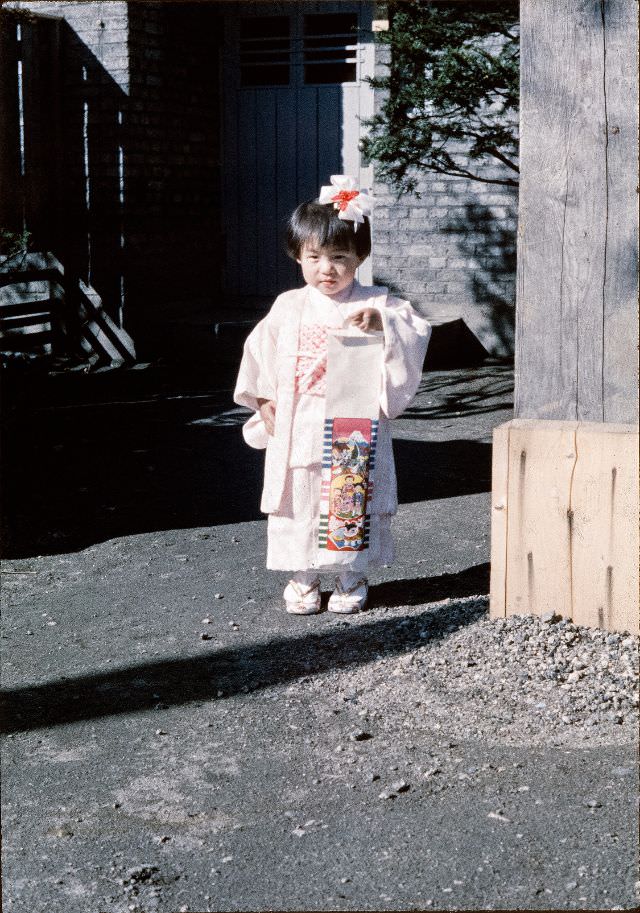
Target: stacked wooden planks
(43,313)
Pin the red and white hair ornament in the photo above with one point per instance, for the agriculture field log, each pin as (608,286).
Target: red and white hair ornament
(352,204)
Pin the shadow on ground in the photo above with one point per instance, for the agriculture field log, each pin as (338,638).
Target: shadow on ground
(474,391)
(492,287)
(124,463)
(254,666)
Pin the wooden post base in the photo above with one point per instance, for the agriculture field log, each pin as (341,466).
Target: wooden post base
(564,524)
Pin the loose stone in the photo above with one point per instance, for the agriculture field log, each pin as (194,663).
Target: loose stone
(550,618)
(499,816)
(400,786)
(359,735)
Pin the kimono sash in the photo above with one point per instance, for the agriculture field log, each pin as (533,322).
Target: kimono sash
(354,362)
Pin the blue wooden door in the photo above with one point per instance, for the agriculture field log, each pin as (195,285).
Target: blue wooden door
(293,101)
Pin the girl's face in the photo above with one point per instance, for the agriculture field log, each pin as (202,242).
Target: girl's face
(329,269)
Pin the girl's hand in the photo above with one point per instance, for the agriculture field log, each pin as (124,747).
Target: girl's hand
(366,319)
(267,409)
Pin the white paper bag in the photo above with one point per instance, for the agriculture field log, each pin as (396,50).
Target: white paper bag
(354,363)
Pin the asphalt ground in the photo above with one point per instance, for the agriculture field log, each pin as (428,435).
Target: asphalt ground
(177,742)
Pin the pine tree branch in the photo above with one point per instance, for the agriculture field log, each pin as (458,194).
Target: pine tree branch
(503,158)
(495,152)
(463,173)
(437,115)
(445,74)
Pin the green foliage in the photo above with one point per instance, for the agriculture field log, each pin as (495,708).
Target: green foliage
(451,92)
(13,243)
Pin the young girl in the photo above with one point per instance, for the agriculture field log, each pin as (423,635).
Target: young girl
(283,379)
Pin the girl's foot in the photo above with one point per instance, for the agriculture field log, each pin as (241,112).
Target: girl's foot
(302,598)
(350,594)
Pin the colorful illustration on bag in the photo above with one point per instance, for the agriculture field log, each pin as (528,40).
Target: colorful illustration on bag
(347,483)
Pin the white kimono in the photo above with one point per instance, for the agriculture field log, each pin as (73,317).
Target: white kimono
(283,361)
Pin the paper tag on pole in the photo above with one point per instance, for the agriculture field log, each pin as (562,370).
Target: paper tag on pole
(354,362)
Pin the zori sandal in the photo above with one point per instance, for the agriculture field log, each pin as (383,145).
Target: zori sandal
(302,600)
(350,600)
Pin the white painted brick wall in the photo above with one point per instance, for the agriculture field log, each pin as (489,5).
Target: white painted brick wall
(102,26)
(452,251)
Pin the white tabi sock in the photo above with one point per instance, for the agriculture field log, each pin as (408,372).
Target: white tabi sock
(305,578)
(349,579)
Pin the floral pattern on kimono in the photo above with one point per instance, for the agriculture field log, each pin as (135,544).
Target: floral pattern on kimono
(311,361)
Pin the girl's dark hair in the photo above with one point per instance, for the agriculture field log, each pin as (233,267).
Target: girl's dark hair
(319,222)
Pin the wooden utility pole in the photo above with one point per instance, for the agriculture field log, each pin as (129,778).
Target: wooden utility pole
(565,471)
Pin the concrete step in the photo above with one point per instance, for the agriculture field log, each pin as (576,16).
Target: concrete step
(452,344)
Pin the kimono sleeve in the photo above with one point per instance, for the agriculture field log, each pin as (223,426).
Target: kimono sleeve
(406,336)
(257,373)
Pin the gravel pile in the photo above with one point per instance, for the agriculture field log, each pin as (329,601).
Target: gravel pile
(515,680)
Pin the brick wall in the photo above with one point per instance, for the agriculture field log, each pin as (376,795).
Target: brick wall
(102,27)
(149,73)
(174,167)
(93,84)
(452,250)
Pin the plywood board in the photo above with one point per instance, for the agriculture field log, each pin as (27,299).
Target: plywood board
(541,463)
(605,511)
(565,522)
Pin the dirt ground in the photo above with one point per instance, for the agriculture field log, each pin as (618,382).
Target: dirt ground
(176,742)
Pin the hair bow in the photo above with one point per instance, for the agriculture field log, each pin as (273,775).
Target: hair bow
(353,204)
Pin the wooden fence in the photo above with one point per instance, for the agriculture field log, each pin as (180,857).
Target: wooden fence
(43,313)
(62,157)
(31,135)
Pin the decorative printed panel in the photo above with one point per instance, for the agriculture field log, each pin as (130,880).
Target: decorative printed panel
(347,483)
